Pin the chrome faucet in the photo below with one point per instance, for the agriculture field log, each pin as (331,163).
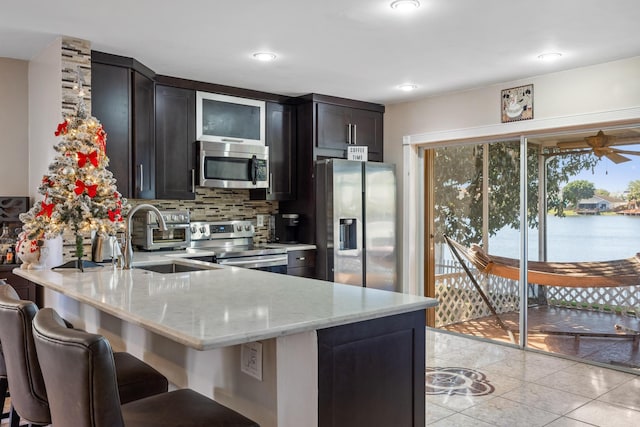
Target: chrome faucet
(127,250)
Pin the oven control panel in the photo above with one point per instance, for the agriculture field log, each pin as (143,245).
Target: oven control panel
(221,230)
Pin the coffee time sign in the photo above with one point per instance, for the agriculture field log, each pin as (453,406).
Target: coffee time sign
(358,153)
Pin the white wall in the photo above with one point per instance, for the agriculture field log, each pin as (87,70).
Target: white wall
(599,88)
(45,106)
(14,128)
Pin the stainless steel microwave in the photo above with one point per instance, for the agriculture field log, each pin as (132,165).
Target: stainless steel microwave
(231,165)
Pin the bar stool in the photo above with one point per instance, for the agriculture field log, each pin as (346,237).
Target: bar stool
(82,364)
(28,392)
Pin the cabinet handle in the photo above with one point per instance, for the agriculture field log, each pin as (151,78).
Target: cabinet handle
(141,178)
(270,191)
(355,134)
(193,180)
(301,258)
(349,133)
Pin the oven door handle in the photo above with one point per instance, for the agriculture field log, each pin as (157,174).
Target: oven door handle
(254,262)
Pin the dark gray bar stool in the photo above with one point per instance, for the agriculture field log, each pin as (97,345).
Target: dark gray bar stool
(28,393)
(82,364)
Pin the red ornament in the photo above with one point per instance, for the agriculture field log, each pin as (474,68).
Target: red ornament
(81,186)
(92,157)
(115,215)
(62,129)
(46,209)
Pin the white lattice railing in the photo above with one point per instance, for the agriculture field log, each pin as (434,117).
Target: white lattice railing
(460,301)
(617,300)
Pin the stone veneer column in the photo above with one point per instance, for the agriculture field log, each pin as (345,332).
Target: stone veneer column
(76,55)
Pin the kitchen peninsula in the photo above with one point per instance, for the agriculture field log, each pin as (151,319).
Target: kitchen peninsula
(330,354)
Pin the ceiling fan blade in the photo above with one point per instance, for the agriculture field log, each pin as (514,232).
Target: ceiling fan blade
(616,158)
(628,140)
(633,153)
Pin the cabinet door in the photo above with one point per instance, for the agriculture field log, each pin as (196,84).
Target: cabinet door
(110,103)
(333,126)
(281,137)
(175,143)
(367,129)
(143,138)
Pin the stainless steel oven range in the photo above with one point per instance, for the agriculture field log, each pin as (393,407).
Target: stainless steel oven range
(232,241)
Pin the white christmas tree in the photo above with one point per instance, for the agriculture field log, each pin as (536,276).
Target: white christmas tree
(80,194)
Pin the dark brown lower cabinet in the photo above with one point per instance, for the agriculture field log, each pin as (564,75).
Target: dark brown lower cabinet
(302,263)
(376,366)
(25,289)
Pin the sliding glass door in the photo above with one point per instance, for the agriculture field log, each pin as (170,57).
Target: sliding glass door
(487,209)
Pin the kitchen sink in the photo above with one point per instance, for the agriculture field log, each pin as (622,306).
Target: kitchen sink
(175,267)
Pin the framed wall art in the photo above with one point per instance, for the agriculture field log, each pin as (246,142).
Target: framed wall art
(517,103)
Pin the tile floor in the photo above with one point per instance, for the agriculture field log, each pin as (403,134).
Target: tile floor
(495,385)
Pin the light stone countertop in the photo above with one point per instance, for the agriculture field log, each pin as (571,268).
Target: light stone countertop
(224,306)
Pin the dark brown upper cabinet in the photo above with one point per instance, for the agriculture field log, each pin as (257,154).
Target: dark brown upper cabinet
(281,140)
(176,152)
(338,126)
(122,98)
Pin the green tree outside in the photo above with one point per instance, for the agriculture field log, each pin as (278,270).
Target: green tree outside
(458,187)
(634,190)
(575,191)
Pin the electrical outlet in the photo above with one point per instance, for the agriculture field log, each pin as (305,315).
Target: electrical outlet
(251,359)
(260,220)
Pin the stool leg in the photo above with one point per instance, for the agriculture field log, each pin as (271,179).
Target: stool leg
(4,385)
(14,419)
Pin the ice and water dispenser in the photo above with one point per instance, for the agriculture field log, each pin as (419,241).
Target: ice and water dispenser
(348,235)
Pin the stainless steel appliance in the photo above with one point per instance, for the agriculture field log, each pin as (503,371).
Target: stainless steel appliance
(356,223)
(232,241)
(227,165)
(146,233)
(223,118)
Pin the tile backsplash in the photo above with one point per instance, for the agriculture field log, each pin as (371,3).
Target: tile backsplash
(217,204)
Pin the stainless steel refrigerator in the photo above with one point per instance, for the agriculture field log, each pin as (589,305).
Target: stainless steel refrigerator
(356,223)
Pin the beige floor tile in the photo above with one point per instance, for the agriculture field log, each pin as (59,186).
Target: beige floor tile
(460,420)
(546,398)
(584,385)
(434,413)
(627,395)
(606,415)
(508,413)
(568,422)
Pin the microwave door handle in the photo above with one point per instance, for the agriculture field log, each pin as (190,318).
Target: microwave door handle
(254,169)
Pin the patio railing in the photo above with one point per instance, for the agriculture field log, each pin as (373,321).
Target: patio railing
(460,301)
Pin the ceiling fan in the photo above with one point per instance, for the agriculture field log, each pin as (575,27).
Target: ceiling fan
(600,144)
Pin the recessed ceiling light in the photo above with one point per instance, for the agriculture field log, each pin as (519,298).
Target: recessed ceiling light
(549,56)
(405,5)
(264,56)
(407,87)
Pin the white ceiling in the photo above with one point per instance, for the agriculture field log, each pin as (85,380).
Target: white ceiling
(357,49)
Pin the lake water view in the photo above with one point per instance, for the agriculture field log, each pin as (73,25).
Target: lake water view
(576,238)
